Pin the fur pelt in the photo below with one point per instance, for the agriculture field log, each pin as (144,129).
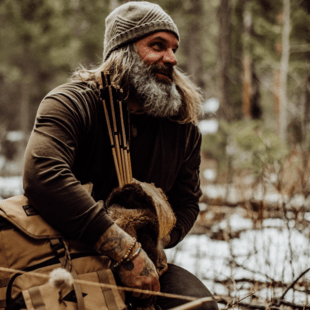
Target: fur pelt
(143,211)
(136,208)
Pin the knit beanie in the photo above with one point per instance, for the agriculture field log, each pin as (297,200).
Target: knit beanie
(132,21)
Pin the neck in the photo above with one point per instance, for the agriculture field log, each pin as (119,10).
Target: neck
(133,105)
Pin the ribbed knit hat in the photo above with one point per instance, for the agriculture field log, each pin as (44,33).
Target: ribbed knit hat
(132,21)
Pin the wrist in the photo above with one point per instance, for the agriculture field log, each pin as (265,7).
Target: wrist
(115,243)
(125,258)
(132,253)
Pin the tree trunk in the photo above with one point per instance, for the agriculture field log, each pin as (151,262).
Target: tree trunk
(307,109)
(247,63)
(276,97)
(24,110)
(284,68)
(224,13)
(193,48)
(24,118)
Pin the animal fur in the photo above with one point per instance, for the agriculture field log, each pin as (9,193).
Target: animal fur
(143,211)
(134,211)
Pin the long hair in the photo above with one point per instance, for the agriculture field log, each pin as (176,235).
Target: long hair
(119,64)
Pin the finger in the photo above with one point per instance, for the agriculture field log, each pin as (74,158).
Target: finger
(136,294)
(143,295)
(156,286)
(146,295)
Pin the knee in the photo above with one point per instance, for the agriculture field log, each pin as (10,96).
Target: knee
(185,283)
(210,305)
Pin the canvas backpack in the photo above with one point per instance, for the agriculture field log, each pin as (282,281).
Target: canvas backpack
(30,244)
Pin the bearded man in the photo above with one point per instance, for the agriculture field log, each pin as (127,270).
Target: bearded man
(70,146)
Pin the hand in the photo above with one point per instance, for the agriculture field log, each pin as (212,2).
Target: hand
(162,264)
(139,273)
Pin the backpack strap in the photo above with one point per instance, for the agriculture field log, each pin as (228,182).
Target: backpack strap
(4,282)
(107,292)
(78,291)
(61,250)
(112,295)
(36,298)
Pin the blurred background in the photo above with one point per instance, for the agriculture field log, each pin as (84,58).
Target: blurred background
(251,59)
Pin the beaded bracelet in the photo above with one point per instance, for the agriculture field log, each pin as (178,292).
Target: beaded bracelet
(136,253)
(127,254)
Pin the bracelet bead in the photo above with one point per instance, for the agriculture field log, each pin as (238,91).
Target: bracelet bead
(135,254)
(127,254)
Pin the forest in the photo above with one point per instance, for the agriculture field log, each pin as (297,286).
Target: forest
(251,60)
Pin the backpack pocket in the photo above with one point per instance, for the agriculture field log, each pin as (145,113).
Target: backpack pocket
(38,294)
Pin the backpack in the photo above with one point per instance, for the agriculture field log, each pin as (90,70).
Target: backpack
(28,243)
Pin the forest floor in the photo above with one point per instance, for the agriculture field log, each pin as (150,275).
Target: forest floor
(251,252)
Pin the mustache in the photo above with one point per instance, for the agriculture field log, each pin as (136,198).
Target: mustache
(163,69)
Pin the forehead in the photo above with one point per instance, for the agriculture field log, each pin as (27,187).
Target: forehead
(168,37)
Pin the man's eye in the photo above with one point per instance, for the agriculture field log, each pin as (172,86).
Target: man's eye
(158,46)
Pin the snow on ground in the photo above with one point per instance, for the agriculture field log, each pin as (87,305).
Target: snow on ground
(277,252)
(260,193)
(263,255)
(10,186)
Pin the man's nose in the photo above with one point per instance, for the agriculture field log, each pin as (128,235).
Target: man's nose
(170,57)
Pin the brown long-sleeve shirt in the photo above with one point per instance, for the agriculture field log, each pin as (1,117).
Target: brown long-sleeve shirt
(70,146)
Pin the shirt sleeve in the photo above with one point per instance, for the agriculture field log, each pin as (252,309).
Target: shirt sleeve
(49,183)
(185,193)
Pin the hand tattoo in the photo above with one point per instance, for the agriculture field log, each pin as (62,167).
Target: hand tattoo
(147,270)
(111,241)
(129,265)
(110,244)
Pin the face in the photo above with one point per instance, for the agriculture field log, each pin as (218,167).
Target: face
(159,49)
(152,87)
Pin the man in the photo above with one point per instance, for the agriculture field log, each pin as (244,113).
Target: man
(69,146)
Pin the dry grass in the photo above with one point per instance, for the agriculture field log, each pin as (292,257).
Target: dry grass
(279,195)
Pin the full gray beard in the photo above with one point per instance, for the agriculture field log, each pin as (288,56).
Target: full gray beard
(156,97)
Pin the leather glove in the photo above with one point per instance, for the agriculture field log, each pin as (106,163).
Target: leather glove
(162,264)
(139,273)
